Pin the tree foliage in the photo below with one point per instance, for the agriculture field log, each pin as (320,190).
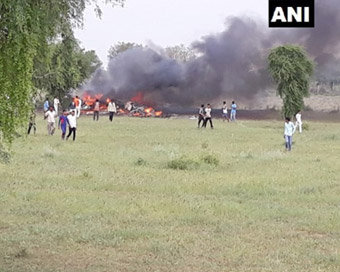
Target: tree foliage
(26,30)
(180,53)
(64,67)
(292,70)
(120,47)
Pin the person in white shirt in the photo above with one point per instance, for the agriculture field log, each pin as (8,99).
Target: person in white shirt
(288,134)
(78,103)
(111,108)
(56,105)
(50,115)
(208,117)
(225,111)
(298,122)
(72,122)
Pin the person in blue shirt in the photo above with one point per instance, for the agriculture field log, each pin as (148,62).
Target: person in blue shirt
(63,124)
(46,105)
(233,112)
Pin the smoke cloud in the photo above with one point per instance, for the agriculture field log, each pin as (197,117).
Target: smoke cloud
(231,64)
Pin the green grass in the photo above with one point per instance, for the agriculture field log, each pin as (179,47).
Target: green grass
(161,195)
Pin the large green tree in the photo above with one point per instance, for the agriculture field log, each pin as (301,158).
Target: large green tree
(292,70)
(64,67)
(26,30)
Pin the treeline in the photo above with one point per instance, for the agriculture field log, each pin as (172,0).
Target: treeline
(38,51)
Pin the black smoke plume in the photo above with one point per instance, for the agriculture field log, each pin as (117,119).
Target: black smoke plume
(231,64)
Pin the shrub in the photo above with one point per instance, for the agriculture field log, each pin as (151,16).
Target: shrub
(140,162)
(204,145)
(210,159)
(182,164)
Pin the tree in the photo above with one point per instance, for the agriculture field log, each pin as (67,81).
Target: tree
(292,70)
(26,29)
(120,47)
(64,67)
(180,53)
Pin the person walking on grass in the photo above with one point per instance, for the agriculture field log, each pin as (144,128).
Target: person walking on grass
(225,111)
(63,124)
(298,121)
(96,109)
(208,117)
(72,122)
(111,108)
(201,114)
(32,123)
(46,105)
(233,111)
(288,133)
(56,103)
(50,115)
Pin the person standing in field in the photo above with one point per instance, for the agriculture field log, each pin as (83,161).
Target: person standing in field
(46,105)
(111,107)
(72,122)
(63,124)
(56,104)
(32,123)
(225,111)
(201,114)
(77,102)
(298,121)
(72,105)
(96,109)
(50,116)
(233,111)
(208,116)
(288,133)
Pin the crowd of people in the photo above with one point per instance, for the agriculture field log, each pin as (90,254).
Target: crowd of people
(204,115)
(68,118)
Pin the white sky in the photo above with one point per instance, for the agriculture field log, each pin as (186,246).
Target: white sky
(164,22)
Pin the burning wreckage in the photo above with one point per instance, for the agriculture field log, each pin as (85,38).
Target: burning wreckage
(130,108)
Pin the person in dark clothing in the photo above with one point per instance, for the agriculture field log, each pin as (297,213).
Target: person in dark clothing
(32,123)
(201,116)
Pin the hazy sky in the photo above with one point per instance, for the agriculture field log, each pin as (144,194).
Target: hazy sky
(163,22)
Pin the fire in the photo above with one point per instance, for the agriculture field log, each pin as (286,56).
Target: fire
(134,109)
(138,98)
(148,111)
(90,100)
(158,113)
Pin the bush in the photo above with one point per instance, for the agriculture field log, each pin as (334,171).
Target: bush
(210,159)
(5,156)
(204,145)
(182,164)
(140,162)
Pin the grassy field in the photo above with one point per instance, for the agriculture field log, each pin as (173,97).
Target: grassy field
(161,195)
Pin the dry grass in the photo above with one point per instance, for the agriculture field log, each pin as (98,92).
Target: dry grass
(110,201)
